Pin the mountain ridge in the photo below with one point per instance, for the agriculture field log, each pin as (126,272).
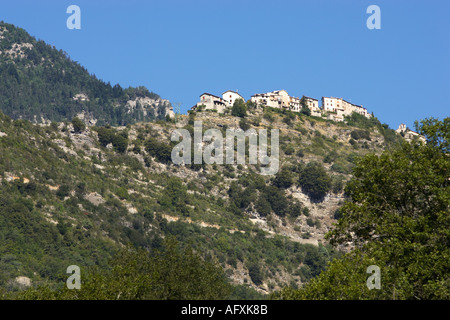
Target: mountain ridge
(40,83)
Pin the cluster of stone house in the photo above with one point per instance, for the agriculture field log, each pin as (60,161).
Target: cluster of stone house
(339,108)
(281,99)
(212,102)
(332,108)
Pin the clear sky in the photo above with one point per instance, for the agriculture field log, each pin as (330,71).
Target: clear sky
(182,48)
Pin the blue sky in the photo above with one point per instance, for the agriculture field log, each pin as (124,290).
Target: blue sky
(182,48)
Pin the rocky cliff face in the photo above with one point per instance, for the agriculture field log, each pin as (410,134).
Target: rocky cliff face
(150,107)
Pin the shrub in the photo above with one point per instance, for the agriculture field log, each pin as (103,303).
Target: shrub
(330,157)
(105,135)
(239,108)
(255,274)
(268,116)
(283,178)
(122,193)
(277,200)
(337,167)
(244,125)
(305,211)
(120,143)
(288,149)
(175,196)
(295,209)
(63,191)
(78,125)
(315,181)
(262,206)
(360,134)
(161,151)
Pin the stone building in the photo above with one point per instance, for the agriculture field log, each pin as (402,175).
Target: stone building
(275,99)
(342,107)
(211,102)
(230,97)
(332,108)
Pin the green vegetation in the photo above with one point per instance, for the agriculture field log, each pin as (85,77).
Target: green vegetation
(107,135)
(175,196)
(397,218)
(66,227)
(171,272)
(315,181)
(360,134)
(239,108)
(304,107)
(160,150)
(79,196)
(44,82)
(78,125)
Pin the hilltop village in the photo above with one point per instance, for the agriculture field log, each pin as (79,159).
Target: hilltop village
(332,108)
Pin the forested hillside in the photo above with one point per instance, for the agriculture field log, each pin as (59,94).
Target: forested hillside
(39,82)
(87,180)
(73,194)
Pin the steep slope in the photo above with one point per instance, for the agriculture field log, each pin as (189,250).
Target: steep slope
(75,197)
(40,83)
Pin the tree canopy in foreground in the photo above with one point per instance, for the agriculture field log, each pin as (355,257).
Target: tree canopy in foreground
(397,218)
(171,273)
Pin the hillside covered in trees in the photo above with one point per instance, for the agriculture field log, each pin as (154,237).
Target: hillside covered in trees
(80,193)
(39,82)
(105,195)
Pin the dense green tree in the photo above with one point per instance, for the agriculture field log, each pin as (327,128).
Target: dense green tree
(105,135)
(436,133)
(360,134)
(254,271)
(397,218)
(284,178)
(239,108)
(172,273)
(120,143)
(244,125)
(262,206)
(160,150)
(277,200)
(241,197)
(78,125)
(175,196)
(304,107)
(315,181)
